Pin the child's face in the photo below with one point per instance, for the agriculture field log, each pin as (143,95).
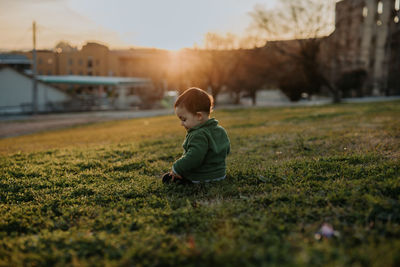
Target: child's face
(188,119)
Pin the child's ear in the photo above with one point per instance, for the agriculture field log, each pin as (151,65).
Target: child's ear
(199,116)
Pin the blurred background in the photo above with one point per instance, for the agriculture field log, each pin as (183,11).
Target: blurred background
(69,55)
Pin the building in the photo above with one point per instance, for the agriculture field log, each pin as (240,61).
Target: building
(367,37)
(16,93)
(16,61)
(123,87)
(92,60)
(95,59)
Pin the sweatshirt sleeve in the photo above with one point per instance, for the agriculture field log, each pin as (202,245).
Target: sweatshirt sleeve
(193,157)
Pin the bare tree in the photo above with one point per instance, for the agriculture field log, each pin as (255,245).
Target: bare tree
(218,61)
(235,64)
(224,64)
(300,27)
(250,73)
(295,20)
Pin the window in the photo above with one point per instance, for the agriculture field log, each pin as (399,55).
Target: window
(70,61)
(40,61)
(80,62)
(380,8)
(371,63)
(372,52)
(90,62)
(365,12)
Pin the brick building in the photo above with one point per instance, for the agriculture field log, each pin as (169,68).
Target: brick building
(98,60)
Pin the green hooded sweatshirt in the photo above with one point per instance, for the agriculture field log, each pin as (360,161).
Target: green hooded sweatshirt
(205,149)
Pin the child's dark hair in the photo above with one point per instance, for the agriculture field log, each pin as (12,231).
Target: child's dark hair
(195,100)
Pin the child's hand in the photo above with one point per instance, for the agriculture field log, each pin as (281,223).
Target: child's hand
(175,176)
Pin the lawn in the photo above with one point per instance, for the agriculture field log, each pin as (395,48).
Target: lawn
(92,195)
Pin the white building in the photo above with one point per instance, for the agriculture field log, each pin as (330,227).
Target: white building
(16,93)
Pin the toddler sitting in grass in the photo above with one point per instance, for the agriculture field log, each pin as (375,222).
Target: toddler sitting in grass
(206,144)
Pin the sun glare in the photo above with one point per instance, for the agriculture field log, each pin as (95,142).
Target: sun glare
(175,61)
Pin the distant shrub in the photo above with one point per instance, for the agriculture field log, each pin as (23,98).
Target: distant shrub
(351,83)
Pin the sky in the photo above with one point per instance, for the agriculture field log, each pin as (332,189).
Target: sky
(164,24)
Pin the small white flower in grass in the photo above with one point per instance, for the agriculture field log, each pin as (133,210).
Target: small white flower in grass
(326,231)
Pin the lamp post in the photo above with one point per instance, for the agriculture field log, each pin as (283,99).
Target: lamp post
(35,89)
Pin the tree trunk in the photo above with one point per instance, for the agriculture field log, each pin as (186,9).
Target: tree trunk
(254,98)
(214,92)
(335,92)
(336,96)
(215,98)
(237,98)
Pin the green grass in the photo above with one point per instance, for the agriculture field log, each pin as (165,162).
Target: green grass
(91,195)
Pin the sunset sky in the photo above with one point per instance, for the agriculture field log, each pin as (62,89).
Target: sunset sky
(166,24)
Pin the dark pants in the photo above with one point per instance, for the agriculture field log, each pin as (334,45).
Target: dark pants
(167,178)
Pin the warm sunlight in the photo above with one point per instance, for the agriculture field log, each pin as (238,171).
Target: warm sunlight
(175,61)
(199,133)
(171,25)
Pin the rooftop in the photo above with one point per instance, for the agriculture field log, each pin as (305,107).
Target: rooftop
(14,59)
(93,80)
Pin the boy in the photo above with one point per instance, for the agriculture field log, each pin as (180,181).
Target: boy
(206,144)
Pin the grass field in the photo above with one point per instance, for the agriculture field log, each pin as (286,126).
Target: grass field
(91,195)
